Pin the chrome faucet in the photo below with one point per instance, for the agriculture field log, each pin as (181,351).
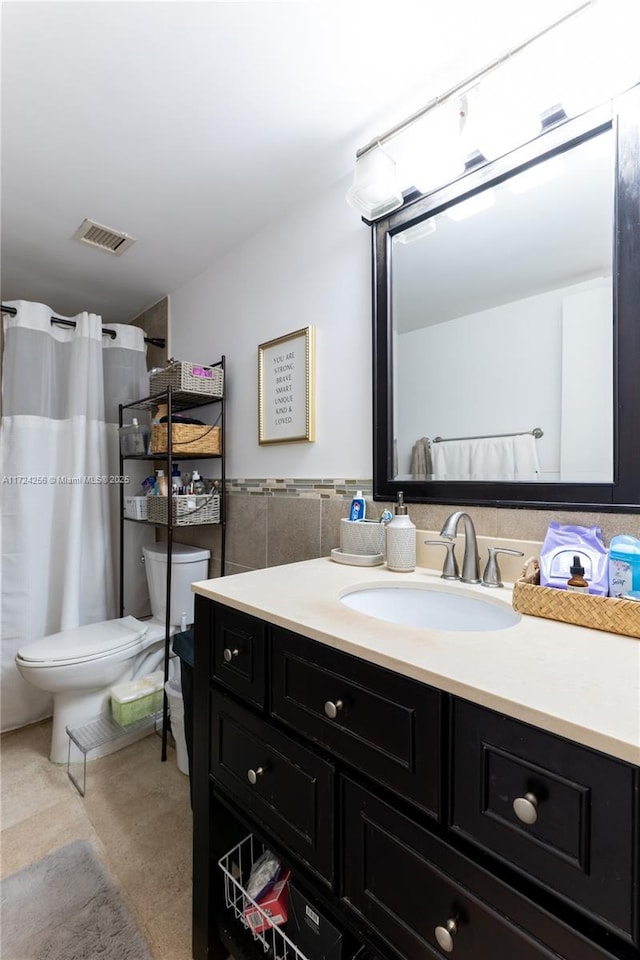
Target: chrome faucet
(470,562)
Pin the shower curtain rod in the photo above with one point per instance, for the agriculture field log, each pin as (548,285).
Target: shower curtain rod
(154,341)
(536,432)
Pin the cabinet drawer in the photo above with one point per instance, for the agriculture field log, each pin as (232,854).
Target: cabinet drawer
(385,725)
(239,653)
(284,785)
(409,885)
(559,812)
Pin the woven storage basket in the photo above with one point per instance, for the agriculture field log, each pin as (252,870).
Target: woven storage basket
(188,510)
(188,377)
(615,615)
(186,438)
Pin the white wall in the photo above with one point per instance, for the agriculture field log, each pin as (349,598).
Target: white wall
(587,393)
(507,368)
(310,267)
(459,396)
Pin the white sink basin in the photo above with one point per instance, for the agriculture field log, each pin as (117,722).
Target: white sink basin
(432,607)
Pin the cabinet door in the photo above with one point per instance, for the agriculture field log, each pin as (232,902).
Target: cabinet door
(239,653)
(285,786)
(381,723)
(427,900)
(557,811)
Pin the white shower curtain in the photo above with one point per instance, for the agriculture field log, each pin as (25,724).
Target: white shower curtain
(58,453)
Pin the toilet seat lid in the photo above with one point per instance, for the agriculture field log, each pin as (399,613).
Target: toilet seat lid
(91,640)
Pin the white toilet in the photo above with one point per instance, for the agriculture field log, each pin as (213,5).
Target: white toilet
(80,666)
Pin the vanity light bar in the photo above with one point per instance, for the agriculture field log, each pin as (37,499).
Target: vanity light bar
(468,82)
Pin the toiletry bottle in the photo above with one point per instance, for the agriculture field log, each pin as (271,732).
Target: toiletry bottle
(163,483)
(197,486)
(138,444)
(401,540)
(358,507)
(176,481)
(577,583)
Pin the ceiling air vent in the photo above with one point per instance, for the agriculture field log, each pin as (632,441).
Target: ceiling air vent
(97,235)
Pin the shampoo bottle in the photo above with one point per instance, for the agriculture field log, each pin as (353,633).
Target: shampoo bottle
(358,507)
(401,540)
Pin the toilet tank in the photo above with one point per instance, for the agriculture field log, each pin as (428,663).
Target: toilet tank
(188,564)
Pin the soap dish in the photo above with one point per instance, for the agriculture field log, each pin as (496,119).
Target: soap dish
(357,559)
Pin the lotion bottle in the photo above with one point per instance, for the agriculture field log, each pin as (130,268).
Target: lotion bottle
(401,539)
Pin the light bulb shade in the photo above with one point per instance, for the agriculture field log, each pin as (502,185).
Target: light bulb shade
(504,116)
(416,232)
(472,205)
(438,154)
(374,191)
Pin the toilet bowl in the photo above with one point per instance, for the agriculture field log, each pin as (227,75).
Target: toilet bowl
(79,666)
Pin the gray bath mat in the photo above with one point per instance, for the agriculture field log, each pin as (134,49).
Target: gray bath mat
(66,907)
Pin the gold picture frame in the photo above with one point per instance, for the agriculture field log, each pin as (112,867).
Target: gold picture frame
(286,388)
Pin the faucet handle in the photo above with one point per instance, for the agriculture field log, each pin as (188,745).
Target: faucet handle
(491,575)
(450,569)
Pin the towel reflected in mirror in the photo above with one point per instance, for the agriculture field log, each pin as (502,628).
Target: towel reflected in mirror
(486,458)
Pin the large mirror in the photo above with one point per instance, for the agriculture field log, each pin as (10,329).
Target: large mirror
(507,313)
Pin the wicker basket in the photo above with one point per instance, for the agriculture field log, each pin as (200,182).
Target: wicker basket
(188,377)
(188,438)
(188,510)
(615,615)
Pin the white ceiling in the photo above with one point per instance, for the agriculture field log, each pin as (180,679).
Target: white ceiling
(190,125)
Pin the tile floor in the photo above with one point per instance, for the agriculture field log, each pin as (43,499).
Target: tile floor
(136,813)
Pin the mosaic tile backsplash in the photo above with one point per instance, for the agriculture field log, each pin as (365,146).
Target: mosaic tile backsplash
(314,488)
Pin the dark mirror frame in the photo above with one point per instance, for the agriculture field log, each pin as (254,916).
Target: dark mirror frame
(623,495)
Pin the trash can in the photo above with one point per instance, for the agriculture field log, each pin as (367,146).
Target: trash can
(176,714)
(183,647)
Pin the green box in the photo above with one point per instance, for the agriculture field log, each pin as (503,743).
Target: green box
(137,699)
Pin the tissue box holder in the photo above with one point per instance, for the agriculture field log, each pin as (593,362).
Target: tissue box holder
(135,699)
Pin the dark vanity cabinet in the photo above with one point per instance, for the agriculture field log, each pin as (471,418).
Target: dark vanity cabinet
(416,823)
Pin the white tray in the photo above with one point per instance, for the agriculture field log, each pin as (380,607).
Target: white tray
(357,559)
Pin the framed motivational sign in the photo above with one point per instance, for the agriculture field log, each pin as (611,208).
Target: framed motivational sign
(286,388)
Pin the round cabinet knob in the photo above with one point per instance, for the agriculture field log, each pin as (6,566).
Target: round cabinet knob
(445,935)
(526,808)
(252,775)
(332,707)
(229,654)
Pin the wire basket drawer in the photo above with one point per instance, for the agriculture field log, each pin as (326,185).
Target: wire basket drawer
(236,866)
(188,509)
(188,377)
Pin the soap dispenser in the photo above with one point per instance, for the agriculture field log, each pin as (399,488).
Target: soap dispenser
(401,539)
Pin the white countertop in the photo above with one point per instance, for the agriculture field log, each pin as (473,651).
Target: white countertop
(578,683)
